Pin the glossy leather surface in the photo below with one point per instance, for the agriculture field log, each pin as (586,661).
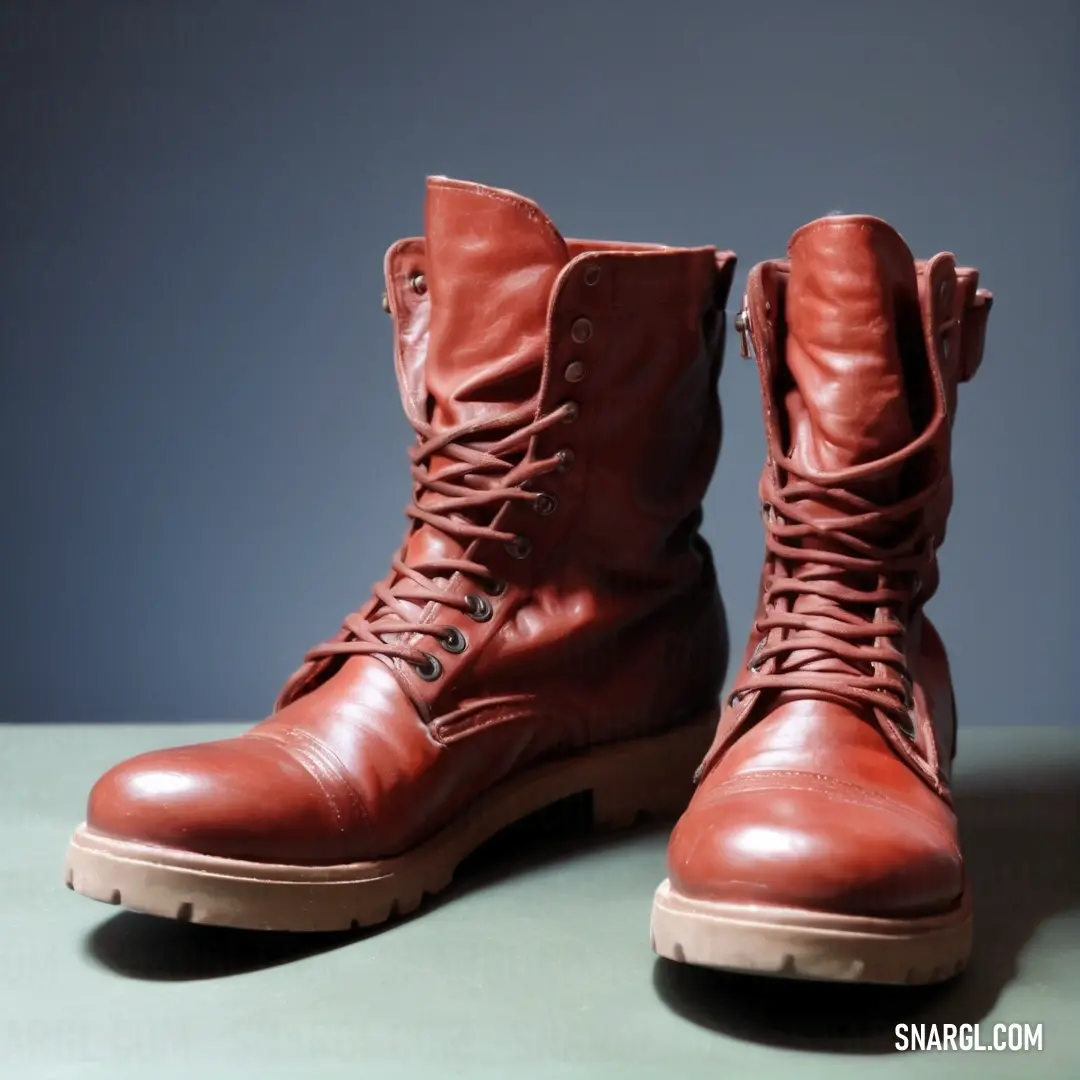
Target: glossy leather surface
(608,624)
(827,786)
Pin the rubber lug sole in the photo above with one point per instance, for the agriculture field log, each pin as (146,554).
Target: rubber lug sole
(802,944)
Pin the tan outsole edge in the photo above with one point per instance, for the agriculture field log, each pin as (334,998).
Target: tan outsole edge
(795,943)
(649,776)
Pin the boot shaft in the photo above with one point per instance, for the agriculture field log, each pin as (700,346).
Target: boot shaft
(494,311)
(609,355)
(860,349)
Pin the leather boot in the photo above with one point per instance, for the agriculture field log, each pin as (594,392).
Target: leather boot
(550,626)
(821,840)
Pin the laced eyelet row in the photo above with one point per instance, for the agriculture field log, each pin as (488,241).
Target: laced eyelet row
(544,503)
(479,609)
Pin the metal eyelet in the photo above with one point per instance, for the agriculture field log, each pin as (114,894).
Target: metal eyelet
(591,275)
(907,725)
(735,697)
(581,330)
(386,303)
(419,284)
(454,641)
(430,669)
(479,609)
(909,692)
(565,459)
(545,503)
(495,588)
(519,548)
(751,664)
(571,411)
(575,371)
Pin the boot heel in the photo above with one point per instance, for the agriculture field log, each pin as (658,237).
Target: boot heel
(649,777)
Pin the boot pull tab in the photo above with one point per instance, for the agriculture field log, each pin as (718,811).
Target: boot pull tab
(742,328)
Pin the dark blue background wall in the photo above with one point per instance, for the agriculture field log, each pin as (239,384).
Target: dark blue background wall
(201,456)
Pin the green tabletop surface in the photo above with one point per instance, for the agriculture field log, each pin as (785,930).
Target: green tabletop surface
(536,964)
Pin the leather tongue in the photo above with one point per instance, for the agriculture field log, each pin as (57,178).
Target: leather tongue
(852,294)
(851,281)
(492,258)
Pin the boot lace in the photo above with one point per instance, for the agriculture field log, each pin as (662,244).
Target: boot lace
(867,577)
(481,477)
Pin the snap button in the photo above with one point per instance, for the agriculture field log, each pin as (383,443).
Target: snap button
(581,331)
(575,371)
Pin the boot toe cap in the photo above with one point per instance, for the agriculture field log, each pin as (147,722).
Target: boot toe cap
(809,847)
(238,798)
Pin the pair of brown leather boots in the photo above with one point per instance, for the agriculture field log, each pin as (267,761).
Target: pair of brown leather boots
(552,623)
